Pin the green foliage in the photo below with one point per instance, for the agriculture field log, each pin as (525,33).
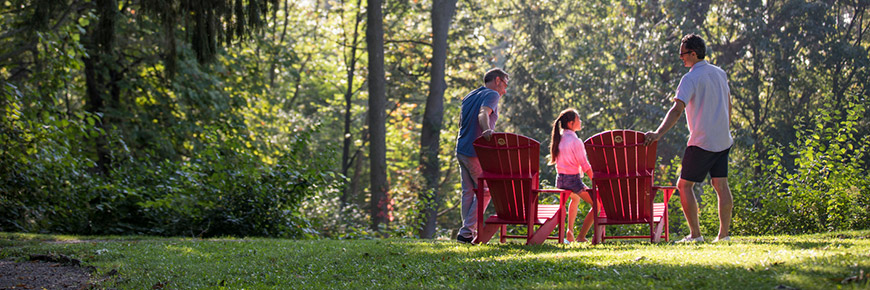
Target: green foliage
(233,194)
(827,189)
(41,160)
(191,155)
(246,145)
(223,193)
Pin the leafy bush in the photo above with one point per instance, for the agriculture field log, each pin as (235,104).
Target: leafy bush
(187,156)
(225,192)
(825,191)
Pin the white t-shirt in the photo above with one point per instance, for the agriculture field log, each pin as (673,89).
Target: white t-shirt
(704,90)
(572,155)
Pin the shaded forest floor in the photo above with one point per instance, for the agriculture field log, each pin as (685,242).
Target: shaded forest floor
(820,261)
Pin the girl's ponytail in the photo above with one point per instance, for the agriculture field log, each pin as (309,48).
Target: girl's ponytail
(561,122)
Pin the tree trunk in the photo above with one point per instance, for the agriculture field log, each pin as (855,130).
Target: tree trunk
(377,114)
(100,74)
(442,12)
(350,62)
(276,48)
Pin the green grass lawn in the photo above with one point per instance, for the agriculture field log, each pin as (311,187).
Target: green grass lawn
(824,261)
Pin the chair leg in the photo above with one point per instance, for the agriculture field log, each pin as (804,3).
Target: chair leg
(484,235)
(561,224)
(598,237)
(657,234)
(595,233)
(543,232)
(502,236)
(480,224)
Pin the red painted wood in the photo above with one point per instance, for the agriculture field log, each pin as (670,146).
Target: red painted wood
(510,170)
(623,170)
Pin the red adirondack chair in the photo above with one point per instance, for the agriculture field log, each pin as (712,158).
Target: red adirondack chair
(622,186)
(510,170)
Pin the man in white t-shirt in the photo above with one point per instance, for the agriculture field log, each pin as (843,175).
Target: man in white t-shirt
(704,94)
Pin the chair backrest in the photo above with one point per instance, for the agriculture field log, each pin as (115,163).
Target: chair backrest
(513,160)
(623,171)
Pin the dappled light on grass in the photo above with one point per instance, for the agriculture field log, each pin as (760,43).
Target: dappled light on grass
(803,262)
(186,250)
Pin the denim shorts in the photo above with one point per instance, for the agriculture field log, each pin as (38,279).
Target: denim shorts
(572,182)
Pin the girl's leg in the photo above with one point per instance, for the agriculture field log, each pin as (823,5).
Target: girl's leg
(587,222)
(572,215)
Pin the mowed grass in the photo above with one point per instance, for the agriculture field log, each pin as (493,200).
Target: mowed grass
(822,261)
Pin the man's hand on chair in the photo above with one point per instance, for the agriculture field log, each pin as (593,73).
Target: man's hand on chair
(650,137)
(487,134)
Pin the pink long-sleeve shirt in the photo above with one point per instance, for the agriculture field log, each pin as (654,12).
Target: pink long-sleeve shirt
(572,155)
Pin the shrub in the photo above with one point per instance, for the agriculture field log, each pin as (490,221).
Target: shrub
(827,189)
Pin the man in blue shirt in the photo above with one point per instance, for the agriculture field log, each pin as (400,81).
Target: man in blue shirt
(705,96)
(478,116)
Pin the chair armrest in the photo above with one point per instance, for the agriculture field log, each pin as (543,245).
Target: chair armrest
(668,191)
(495,176)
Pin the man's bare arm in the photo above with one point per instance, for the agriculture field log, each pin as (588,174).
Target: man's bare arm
(670,120)
(483,121)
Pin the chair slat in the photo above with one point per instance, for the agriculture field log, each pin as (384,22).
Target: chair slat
(609,195)
(640,208)
(624,194)
(518,157)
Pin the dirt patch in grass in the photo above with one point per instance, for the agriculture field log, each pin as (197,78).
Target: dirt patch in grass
(42,275)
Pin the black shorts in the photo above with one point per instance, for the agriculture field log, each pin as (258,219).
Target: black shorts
(698,162)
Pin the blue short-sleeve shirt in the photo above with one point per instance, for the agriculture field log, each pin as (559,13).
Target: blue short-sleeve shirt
(469,127)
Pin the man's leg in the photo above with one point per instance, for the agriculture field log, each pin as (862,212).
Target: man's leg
(690,206)
(726,203)
(469,171)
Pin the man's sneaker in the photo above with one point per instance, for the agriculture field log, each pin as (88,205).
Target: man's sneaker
(464,240)
(690,239)
(725,239)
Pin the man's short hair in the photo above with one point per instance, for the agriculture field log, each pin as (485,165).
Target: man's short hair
(695,43)
(494,73)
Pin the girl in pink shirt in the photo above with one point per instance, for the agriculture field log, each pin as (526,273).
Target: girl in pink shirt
(568,153)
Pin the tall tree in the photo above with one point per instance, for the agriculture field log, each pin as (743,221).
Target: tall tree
(101,73)
(350,61)
(377,114)
(442,13)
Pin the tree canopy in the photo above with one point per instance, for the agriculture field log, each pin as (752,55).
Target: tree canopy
(254,117)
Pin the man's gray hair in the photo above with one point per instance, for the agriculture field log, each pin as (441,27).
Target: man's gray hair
(494,73)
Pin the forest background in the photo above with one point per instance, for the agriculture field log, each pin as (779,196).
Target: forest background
(337,119)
